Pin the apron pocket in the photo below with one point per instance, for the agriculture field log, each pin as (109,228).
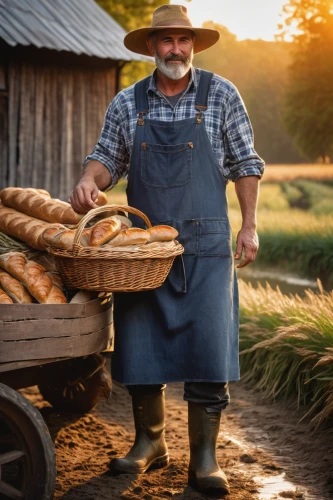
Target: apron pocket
(214,238)
(187,230)
(166,166)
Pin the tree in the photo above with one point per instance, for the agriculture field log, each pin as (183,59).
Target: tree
(132,14)
(309,95)
(259,70)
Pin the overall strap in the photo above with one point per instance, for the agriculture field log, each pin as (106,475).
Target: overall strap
(141,98)
(201,98)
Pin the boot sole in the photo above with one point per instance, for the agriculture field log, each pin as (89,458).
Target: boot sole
(157,463)
(208,485)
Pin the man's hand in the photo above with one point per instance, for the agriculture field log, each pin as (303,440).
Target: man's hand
(95,176)
(247,240)
(83,196)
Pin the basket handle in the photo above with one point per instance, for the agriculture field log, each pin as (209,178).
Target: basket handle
(95,211)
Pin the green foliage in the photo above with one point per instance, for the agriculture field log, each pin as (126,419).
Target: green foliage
(259,70)
(286,347)
(309,96)
(319,195)
(296,240)
(132,14)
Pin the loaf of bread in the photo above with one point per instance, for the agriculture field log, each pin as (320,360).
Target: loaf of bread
(14,289)
(125,222)
(4,298)
(131,236)
(104,230)
(56,280)
(101,199)
(162,233)
(33,276)
(63,238)
(23,227)
(37,204)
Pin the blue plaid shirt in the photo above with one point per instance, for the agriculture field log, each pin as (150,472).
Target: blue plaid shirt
(226,120)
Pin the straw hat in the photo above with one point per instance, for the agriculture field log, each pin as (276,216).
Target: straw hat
(170,16)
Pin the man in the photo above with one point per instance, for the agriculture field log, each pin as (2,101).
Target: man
(179,135)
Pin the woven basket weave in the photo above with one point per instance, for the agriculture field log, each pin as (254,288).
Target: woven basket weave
(111,269)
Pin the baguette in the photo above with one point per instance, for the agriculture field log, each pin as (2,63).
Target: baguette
(33,276)
(37,203)
(162,233)
(64,238)
(4,298)
(14,289)
(104,230)
(131,236)
(22,227)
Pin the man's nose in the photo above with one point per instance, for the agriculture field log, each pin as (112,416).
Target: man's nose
(175,48)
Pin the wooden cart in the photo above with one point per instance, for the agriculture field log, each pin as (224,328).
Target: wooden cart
(57,347)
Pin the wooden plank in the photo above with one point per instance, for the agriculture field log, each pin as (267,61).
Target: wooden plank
(79,124)
(16,312)
(48,129)
(55,106)
(27,124)
(14,84)
(3,142)
(12,331)
(38,168)
(74,346)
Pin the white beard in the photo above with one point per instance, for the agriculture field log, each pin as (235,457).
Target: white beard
(173,71)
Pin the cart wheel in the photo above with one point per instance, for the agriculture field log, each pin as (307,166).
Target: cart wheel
(77,385)
(27,458)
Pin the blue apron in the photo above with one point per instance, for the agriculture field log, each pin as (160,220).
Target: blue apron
(186,330)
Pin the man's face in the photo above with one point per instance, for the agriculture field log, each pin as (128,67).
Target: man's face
(173,51)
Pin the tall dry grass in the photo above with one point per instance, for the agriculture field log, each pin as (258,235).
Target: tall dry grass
(286,345)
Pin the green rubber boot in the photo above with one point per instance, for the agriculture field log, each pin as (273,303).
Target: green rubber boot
(149,450)
(204,472)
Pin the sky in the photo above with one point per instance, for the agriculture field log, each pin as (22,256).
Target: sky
(245,18)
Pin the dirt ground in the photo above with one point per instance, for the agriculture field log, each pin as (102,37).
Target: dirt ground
(262,448)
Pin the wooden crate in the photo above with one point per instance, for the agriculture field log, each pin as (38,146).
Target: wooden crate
(50,331)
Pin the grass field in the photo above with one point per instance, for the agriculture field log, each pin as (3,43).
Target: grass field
(280,173)
(286,346)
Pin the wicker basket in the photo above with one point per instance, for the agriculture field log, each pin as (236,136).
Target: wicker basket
(114,269)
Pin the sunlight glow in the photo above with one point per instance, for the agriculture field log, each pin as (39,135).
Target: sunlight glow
(245,18)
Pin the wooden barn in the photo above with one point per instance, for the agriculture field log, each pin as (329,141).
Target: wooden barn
(60,63)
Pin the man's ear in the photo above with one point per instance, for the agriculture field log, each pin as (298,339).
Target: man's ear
(150,45)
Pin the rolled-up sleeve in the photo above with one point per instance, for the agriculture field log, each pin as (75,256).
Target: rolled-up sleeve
(241,159)
(110,149)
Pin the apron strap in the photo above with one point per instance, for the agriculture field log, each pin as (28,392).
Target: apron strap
(201,98)
(141,98)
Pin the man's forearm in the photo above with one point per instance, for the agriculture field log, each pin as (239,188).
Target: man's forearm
(98,173)
(247,190)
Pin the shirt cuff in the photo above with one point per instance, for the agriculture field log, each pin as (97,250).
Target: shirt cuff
(105,160)
(247,168)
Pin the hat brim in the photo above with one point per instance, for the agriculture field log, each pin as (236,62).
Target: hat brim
(136,40)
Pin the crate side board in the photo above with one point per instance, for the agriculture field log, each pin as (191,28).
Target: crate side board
(53,327)
(17,312)
(71,347)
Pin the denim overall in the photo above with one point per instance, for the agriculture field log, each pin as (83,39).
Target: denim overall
(186,330)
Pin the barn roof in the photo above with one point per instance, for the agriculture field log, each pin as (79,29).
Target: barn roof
(79,26)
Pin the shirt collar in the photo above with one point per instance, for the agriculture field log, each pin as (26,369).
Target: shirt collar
(193,82)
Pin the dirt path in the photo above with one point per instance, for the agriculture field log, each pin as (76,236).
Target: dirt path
(265,454)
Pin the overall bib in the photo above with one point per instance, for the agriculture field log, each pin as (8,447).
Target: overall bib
(186,330)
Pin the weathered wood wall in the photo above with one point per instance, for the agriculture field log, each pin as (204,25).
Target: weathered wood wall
(55,115)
